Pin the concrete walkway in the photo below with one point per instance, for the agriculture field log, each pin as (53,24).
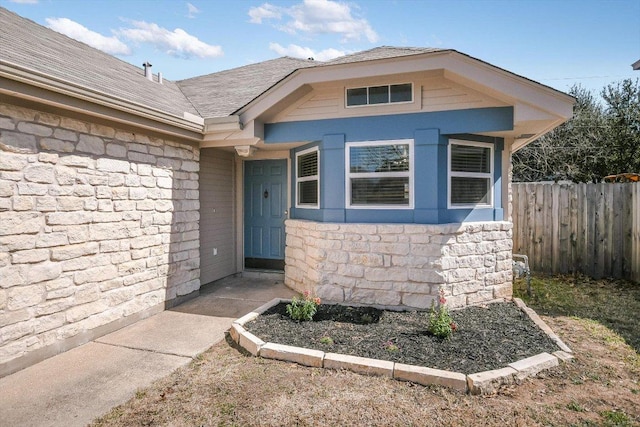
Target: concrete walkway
(73,388)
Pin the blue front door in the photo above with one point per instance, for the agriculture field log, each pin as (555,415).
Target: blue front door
(265,204)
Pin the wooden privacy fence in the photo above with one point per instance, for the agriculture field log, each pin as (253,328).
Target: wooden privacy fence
(579,228)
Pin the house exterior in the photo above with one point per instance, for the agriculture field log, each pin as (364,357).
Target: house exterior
(379,178)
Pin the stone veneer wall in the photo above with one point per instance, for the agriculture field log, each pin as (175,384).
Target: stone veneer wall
(402,265)
(98,227)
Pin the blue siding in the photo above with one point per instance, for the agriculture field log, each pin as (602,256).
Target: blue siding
(397,126)
(431,133)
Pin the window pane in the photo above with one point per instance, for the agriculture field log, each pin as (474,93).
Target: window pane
(382,158)
(380,191)
(401,93)
(470,191)
(308,164)
(308,192)
(468,158)
(357,96)
(379,95)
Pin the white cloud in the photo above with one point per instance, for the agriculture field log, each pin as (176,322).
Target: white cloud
(266,11)
(111,45)
(24,1)
(193,11)
(176,43)
(306,52)
(317,17)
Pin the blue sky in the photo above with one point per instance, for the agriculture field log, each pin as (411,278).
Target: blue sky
(555,42)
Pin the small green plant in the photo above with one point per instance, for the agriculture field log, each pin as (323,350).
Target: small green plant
(326,340)
(303,308)
(575,406)
(441,323)
(390,346)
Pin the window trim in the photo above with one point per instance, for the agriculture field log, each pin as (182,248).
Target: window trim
(349,175)
(451,174)
(346,98)
(306,179)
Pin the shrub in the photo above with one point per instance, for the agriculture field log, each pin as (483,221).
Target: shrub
(303,308)
(441,323)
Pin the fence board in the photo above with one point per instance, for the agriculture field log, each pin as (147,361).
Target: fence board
(587,228)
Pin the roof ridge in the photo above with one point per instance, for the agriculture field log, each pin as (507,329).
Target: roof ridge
(253,64)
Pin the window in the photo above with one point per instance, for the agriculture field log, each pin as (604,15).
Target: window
(307,178)
(470,174)
(379,174)
(373,95)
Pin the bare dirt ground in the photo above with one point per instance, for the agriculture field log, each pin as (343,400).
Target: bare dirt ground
(601,387)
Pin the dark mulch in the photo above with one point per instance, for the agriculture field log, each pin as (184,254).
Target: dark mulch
(487,338)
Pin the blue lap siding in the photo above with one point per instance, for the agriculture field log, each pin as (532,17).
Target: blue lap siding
(431,133)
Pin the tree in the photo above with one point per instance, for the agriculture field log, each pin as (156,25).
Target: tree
(600,139)
(623,120)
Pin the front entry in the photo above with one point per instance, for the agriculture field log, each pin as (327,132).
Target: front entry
(265,205)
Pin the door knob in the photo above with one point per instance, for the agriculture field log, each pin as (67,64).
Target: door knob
(266,194)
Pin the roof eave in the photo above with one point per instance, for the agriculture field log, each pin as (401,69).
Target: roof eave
(13,72)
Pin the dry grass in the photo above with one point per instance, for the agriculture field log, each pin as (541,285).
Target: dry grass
(226,387)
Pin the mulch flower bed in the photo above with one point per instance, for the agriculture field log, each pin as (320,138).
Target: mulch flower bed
(487,338)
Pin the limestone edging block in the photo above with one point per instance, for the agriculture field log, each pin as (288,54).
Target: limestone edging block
(360,365)
(235,331)
(250,342)
(302,356)
(544,327)
(489,381)
(563,356)
(246,318)
(268,305)
(429,376)
(534,364)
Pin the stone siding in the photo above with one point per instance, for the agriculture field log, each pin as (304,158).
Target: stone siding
(97,225)
(400,265)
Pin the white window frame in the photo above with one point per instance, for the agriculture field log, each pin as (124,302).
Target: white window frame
(306,179)
(346,98)
(349,175)
(483,175)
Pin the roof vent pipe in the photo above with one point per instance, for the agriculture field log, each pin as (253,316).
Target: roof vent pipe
(160,78)
(147,71)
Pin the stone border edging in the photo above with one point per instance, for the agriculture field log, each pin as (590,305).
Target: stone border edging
(479,383)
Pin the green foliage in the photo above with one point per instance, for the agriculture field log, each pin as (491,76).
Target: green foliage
(326,340)
(602,138)
(616,419)
(391,347)
(575,406)
(441,323)
(303,308)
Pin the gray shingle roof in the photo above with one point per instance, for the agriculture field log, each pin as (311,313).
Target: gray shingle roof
(30,45)
(237,87)
(220,94)
(382,52)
